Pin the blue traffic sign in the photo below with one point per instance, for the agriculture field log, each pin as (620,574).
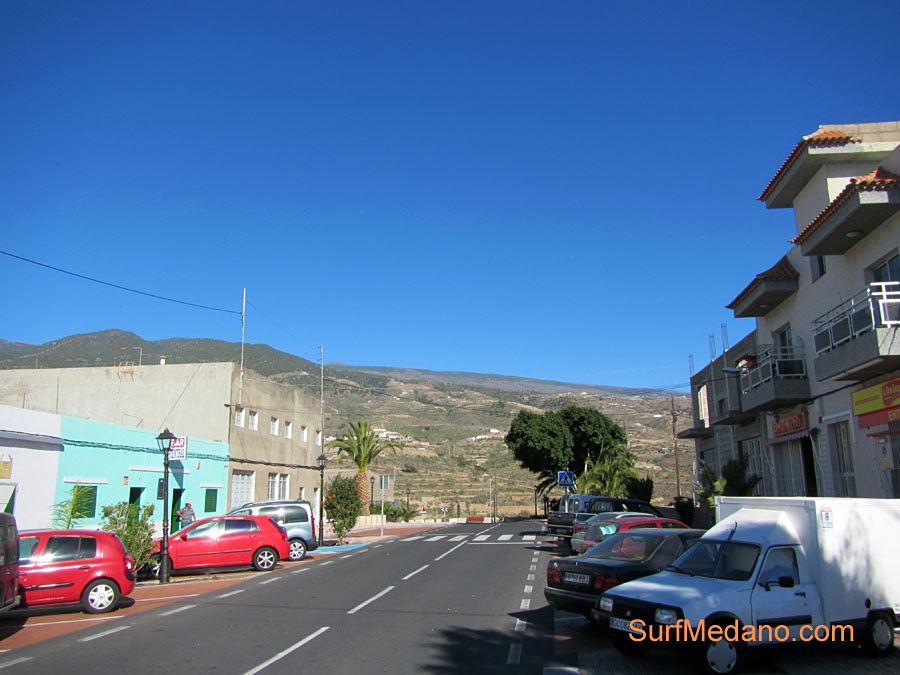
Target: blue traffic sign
(565,478)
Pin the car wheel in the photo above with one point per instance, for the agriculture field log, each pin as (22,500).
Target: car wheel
(878,635)
(265,558)
(153,567)
(298,549)
(629,647)
(722,657)
(101,595)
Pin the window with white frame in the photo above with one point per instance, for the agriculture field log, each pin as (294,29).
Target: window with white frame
(273,426)
(272,486)
(703,406)
(318,437)
(282,486)
(842,475)
(303,433)
(288,429)
(253,420)
(238,416)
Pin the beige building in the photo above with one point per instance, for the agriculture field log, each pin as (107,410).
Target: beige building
(272,430)
(812,396)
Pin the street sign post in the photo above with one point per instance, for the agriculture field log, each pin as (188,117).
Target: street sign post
(566,479)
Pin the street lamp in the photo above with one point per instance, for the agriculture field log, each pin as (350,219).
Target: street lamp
(535,500)
(407,499)
(164,441)
(372,490)
(321,461)
(490,494)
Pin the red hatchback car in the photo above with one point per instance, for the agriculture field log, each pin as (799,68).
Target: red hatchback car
(60,567)
(623,523)
(224,541)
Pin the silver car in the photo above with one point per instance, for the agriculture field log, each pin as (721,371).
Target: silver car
(294,516)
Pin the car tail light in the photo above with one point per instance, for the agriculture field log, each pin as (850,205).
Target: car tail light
(553,576)
(312,524)
(602,583)
(129,563)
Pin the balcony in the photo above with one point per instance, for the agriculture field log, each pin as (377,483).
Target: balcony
(777,380)
(726,408)
(860,338)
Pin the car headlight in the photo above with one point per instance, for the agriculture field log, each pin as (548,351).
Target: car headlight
(606,604)
(665,616)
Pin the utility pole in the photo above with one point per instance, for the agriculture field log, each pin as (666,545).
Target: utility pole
(675,441)
(243,323)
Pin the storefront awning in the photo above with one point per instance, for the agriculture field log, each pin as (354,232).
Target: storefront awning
(788,437)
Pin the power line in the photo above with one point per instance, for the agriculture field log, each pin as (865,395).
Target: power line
(121,288)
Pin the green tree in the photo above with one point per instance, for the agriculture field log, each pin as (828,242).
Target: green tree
(131,523)
(640,488)
(362,446)
(77,506)
(609,475)
(400,511)
(343,505)
(733,481)
(571,439)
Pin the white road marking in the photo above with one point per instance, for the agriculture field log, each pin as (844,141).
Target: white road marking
(459,537)
(377,546)
(15,662)
(520,625)
(481,537)
(528,537)
(302,569)
(267,581)
(530,577)
(370,600)
(103,634)
(446,553)
(228,595)
(177,609)
(344,557)
(529,589)
(505,537)
(280,655)
(533,568)
(525,604)
(436,538)
(56,623)
(412,574)
(515,653)
(168,597)
(326,562)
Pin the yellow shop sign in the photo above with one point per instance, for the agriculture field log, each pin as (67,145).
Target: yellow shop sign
(877,397)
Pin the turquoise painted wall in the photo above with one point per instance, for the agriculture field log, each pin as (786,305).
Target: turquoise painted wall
(125,464)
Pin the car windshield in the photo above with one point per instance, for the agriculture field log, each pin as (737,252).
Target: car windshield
(626,546)
(730,560)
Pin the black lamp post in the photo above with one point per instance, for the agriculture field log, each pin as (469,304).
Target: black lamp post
(407,499)
(372,490)
(164,441)
(535,500)
(321,461)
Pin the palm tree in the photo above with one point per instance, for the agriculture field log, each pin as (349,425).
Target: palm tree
(609,475)
(362,446)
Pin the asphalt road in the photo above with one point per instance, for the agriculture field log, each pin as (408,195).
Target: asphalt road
(464,598)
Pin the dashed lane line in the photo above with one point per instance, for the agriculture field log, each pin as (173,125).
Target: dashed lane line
(177,609)
(280,655)
(103,634)
(371,600)
(412,574)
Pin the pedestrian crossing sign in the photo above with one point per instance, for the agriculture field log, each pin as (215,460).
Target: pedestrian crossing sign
(566,478)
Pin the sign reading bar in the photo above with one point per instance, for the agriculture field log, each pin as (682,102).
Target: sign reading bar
(878,397)
(178,449)
(790,425)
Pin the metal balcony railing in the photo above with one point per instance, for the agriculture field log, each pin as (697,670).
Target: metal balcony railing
(876,306)
(773,363)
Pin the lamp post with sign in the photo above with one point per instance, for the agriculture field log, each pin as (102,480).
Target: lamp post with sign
(321,461)
(164,441)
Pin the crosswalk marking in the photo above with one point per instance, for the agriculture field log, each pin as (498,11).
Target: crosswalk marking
(529,537)
(505,537)
(476,539)
(437,538)
(481,537)
(418,536)
(459,537)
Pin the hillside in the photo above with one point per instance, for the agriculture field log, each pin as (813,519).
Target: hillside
(448,427)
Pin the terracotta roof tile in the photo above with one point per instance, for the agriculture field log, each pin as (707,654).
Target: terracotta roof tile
(780,271)
(879,179)
(819,139)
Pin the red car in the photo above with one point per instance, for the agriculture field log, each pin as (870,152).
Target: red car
(623,523)
(61,567)
(224,541)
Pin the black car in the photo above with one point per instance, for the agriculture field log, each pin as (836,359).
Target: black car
(574,584)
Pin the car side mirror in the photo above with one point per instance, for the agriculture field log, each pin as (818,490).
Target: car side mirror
(183,537)
(786,582)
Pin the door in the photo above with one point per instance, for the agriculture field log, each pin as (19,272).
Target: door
(57,567)
(174,518)
(238,542)
(198,547)
(241,488)
(787,608)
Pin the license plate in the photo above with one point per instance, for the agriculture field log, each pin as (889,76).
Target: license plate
(620,624)
(571,578)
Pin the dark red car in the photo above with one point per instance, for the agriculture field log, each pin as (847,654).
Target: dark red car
(60,567)
(225,541)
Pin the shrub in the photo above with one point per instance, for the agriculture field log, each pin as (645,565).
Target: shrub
(343,505)
(131,523)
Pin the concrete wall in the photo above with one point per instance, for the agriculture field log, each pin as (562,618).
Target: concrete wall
(30,441)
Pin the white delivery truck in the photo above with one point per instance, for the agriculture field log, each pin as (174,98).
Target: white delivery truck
(772,570)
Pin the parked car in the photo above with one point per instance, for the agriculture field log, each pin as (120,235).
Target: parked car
(225,541)
(574,584)
(624,522)
(294,516)
(9,562)
(562,523)
(61,567)
(582,527)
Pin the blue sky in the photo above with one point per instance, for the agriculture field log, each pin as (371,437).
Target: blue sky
(560,190)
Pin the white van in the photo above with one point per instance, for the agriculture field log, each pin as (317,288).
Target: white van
(772,570)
